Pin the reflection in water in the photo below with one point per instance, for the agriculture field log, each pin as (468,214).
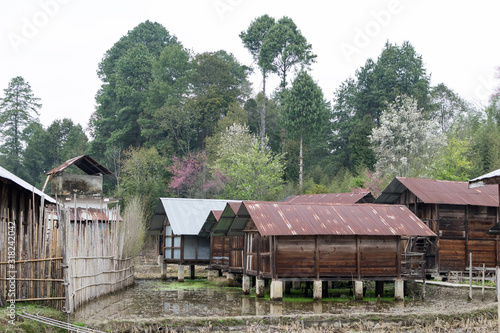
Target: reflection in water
(159,299)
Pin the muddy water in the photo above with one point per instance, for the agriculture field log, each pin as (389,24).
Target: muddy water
(156,299)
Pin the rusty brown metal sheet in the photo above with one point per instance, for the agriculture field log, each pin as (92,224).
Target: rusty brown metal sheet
(84,162)
(86,214)
(279,219)
(440,192)
(340,198)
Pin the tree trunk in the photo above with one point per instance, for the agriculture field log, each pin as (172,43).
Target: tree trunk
(301,165)
(263,112)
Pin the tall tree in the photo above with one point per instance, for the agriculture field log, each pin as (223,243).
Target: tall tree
(18,110)
(126,72)
(304,112)
(253,39)
(285,48)
(399,70)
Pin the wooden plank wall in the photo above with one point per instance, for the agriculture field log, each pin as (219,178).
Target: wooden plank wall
(36,243)
(461,230)
(95,262)
(219,253)
(337,257)
(236,244)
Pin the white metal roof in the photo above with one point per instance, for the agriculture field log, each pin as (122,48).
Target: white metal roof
(487,179)
(186,216)
(10,176)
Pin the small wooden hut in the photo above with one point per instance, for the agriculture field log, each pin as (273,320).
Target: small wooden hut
(307,242)
(30,248)
(459,216)
(179,222)
(226,250)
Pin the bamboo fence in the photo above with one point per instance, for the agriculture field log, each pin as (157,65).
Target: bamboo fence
(30,250)
(49,258)
(96,266)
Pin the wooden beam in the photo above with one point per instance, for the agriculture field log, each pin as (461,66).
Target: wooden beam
(358,257)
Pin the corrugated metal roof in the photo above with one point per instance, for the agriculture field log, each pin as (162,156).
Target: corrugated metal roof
(22,183)
(212,219)
(186,216)
(221,228)
(487,179)
(86,163)
(433,191)
(86,214)
(346,198)
(278,219)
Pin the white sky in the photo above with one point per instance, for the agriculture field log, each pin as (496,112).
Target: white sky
(56,45)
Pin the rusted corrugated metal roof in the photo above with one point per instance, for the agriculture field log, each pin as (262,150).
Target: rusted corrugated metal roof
(491,178)
(212,219)
(86,214)
(341,198)
(433,191)
(278,219)
(86,163)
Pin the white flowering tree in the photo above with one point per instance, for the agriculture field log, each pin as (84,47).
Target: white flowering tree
(405,143)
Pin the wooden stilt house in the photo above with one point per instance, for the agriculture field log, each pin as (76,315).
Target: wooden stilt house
(179,221)
(226,250)
(326,242)
(459,216)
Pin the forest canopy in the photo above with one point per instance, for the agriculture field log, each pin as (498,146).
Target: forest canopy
(194,126)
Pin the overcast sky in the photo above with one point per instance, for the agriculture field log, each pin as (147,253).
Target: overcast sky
(56,45)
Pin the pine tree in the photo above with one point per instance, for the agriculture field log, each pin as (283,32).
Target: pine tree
(18,110)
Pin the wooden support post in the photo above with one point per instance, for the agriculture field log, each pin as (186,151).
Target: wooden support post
(288,287)
(470,277)
(192,274)
(379,288)
(482,284)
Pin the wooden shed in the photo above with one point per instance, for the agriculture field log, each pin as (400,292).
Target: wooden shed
(326,242)
(458,215)
(226,250)
(179,222)
(30,248)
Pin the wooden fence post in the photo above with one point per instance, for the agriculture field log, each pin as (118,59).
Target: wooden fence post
(470,276)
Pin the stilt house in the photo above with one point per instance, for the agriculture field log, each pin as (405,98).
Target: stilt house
(326,242)
(459,216)
(179,222)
